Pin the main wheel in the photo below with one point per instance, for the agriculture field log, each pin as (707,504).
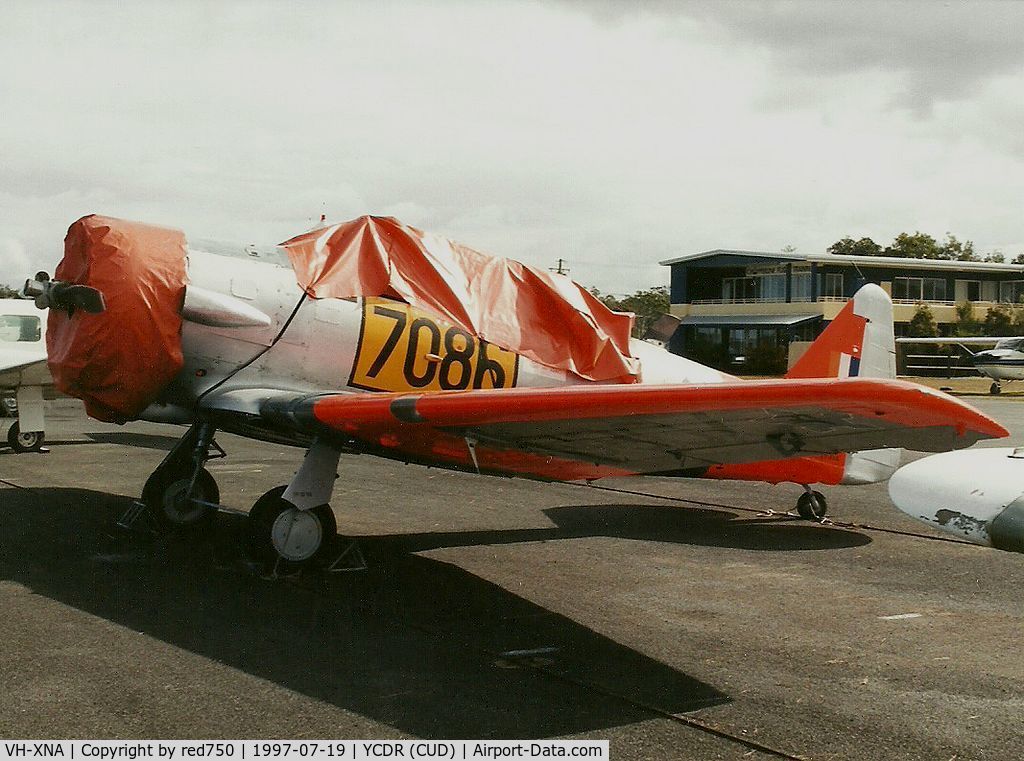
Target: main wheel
(166,495)
(994,389)
(280,531)
(24,441)
(812,506)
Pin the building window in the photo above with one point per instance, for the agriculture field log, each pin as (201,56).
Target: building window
(759,286)
(967,290)
(773,287)
(919,289)
(933,289)
(739,289)
(801,286)
(1011,291)
(832,285)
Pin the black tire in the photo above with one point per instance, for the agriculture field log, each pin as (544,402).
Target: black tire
(995,389)
(812,506)
(267,510)
(164,495)
(29,441)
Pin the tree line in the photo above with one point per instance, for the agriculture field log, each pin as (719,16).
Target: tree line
(919,245)
(999,320)
(647,305)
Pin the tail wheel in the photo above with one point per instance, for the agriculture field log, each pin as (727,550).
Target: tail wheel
(812,506)
(280,531)
(171,505)
(24,441)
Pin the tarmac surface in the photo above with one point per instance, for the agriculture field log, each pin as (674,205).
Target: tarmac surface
(668,616)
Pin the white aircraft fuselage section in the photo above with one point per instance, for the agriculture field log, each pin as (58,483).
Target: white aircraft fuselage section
(356,345)
(23,369)
(22,344)
(249,328)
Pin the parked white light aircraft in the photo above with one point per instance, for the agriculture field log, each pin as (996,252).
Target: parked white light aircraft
(1003,363)
(23,370)
(371,336)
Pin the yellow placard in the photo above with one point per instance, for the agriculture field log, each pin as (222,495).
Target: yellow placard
(401,349)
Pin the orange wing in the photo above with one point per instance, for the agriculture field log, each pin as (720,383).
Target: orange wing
(595,431)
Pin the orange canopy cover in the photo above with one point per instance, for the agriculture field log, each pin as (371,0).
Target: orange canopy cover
(549,319)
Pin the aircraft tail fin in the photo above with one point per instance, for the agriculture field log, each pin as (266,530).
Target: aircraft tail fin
(859,342)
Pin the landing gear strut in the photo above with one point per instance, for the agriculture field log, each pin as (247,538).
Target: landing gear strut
(181,494)
(294,523)
(290,524)
(812,505)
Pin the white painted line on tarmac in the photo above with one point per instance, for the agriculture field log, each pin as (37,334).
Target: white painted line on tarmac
(900,616)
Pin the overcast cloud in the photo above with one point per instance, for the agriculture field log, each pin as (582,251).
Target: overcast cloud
(607,134)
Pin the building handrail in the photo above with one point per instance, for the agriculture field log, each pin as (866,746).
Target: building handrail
(836,299)
(739,301)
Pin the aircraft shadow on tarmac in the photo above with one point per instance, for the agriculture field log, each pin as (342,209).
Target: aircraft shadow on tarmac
(122,438)
(413,642)
(131,439)
(652,523)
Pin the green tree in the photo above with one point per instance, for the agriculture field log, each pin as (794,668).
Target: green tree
(966,324)
(999,320)
(917,246)
(849,247)
(922,324)
(647,305)
(955,249)
(995,256)
(6,292)
(1018,259)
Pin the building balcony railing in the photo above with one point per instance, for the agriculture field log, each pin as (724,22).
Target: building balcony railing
(937,302)
(831,299)
(795,300)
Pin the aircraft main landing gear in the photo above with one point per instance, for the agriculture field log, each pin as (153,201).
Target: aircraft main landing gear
(995,389)
(181,494)
(278,530)
(812,505)
(24,441)
(295,523)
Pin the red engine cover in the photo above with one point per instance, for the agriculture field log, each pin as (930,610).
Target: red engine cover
(119,361)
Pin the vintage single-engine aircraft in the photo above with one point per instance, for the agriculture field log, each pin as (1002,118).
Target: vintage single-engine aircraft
(371,336)
(23,370)
(1003,363)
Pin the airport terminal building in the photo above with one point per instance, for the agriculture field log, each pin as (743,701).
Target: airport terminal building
(740,307)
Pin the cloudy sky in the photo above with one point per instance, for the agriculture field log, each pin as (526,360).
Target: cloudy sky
(610,134)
